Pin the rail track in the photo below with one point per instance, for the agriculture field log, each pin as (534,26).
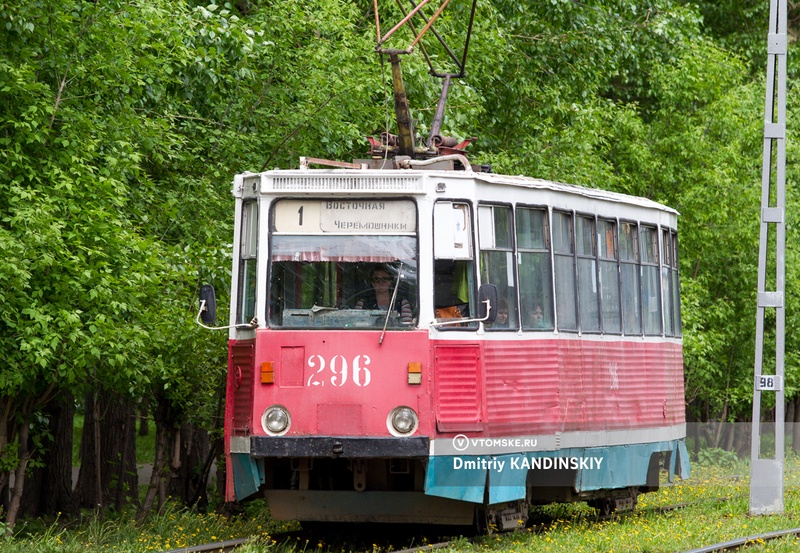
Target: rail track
(738,543)
(352,542)
(220,546)
(745,541)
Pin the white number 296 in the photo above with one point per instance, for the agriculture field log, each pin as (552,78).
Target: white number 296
(337,372)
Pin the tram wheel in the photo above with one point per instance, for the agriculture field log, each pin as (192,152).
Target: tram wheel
(605,506)
(483,527)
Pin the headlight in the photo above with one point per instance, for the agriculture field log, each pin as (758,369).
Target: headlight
(402,421)
(276,420)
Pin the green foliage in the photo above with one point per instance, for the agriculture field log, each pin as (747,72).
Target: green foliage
(122,124)
(716,457)
(172,529)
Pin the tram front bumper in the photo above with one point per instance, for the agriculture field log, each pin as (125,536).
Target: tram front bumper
(347,447)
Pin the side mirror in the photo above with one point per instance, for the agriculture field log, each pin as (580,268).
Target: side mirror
(487,303)
(208,305)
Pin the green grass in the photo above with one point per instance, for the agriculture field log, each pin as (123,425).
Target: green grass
(704,521)
(559,528)
(171,530)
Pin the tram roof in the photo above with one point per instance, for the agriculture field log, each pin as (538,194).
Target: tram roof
(342,180)
(585,191)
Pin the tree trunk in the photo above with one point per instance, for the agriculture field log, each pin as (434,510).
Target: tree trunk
(188,482)
(48,489)
(19,477)
(164,437)
(5,428)
(201,492)
(108,471)
(144,408)
(743,431)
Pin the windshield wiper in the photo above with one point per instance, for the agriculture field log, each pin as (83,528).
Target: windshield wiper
(391,304)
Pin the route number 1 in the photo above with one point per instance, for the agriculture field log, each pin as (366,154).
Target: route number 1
(769,382)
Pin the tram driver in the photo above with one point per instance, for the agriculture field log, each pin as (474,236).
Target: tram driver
(380,296)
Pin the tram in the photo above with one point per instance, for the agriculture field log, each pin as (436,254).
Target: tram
(421,344)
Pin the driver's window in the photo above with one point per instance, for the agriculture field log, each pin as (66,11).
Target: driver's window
(248,262)
(454,273)
(343,264)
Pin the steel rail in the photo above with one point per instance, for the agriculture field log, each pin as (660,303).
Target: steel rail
(228,545)
(743,542)
(440,545)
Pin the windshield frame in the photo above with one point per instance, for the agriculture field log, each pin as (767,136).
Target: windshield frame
(320,278)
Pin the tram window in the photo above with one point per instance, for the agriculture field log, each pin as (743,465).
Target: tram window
(629,274)
(248,260)
(609,276)
(324,256)
(535,280)
(676,294)
(495,226)
(452,239)
(587,274)
(651,295)
(669,283)
(666,282)
(563,254)
(454,281)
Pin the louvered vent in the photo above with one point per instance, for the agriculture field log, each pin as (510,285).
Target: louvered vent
(346,183)
(458,388)
(241,363)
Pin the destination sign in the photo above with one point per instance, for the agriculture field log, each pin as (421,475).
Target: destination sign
(345,216)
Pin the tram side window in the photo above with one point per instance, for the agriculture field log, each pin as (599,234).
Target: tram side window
(676,288)
(454,281)
(669,283)
(495,226)
(609,276)
(587,274)
(248,258)
(651,295)
(666,282)
(535,281)
(563,250)
(629,273)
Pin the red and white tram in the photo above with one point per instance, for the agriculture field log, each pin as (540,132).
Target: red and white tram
(439,346)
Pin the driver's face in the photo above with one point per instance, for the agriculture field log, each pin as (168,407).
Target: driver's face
(381,280)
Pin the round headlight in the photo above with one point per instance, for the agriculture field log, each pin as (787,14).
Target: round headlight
(275,420)
(403,421)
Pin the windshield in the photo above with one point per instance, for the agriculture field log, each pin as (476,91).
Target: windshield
(343,281)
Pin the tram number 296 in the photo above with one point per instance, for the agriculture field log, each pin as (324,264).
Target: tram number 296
(338,372)
(769,382)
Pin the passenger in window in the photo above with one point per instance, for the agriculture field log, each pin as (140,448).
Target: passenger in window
(537,317)
(501,321)
(452,289)
(381,295)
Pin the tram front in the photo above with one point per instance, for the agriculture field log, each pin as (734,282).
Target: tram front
(327,387)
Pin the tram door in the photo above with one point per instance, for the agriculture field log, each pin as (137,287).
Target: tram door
(457,366)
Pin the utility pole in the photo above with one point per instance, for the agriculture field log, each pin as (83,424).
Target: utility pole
(766,475)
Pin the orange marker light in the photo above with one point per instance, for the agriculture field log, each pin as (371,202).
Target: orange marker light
(267,372)
(415,373)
